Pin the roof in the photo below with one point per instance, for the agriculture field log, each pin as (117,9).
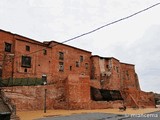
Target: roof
(5,31)
(128,64)
(58,43)
(20,37)
(104,57)
(45,43)
(112,58)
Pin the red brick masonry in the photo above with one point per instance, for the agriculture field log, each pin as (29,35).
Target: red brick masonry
(70,73)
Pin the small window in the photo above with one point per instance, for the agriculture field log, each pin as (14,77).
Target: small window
(8,47)
(0,72)
(81,58)
(44,52)
(117,69)
(61,66)
(127,73)
(27,48)
(77,64)
(86,65)
(124,75)
(107,66)
(61,56)
(70,68)
(25,70)
(26,61)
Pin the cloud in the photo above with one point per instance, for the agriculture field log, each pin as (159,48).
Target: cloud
(145,54)
(134,40)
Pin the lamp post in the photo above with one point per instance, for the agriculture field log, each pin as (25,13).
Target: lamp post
(45,91)
(12,60)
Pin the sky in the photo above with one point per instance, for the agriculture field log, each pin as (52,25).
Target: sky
(135,40)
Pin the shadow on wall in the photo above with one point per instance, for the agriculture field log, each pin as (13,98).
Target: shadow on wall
(105,95)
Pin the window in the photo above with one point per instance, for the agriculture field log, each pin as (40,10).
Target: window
(25,70)
(127,73)
(117,69)
(107,66)
(61,66)
(124,75)
(26,61)
(86,65)
(8,47)
(81,58)
(0,72)
(44,52)
(77,64)
(70,68)
(114,67)
(61,56)
(27,48)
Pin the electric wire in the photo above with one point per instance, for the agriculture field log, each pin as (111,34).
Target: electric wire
(94,30)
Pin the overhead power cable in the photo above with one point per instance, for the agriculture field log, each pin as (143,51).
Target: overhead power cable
(108,24)
(94,30)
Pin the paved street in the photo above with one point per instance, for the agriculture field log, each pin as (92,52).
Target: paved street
(105,116)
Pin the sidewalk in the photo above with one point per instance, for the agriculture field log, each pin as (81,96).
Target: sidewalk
(31,115)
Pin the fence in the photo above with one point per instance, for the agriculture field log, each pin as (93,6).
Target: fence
(20,82)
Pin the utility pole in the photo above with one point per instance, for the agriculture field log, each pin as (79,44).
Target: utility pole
(45,91)
(12,62)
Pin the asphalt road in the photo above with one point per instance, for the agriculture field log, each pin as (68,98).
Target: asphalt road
(106,116)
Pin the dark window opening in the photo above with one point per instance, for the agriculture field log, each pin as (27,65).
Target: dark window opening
(0,73)
(27,48)
(117,69)
(123,75)
(70,68)
(81,58)
(77,64)
(44,52)
(107,66)
(86,65)
(25,70)
(61,66)
(127,74)
(26,61)
(61,56)
(8,47)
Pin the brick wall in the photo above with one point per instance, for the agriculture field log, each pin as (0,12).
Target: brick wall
(113,74)
(6,57)
(135,98)
(78,92)
(40,62)
(32,97)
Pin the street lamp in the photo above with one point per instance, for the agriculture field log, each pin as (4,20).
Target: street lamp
(12,60)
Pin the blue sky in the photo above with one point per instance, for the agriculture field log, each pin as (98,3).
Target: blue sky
(135,40)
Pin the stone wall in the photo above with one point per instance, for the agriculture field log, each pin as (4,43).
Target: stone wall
(32,97)
(135,98)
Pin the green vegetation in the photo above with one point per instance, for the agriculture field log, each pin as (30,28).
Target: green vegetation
(20,82)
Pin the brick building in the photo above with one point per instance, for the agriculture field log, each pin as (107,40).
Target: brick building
(70,72)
